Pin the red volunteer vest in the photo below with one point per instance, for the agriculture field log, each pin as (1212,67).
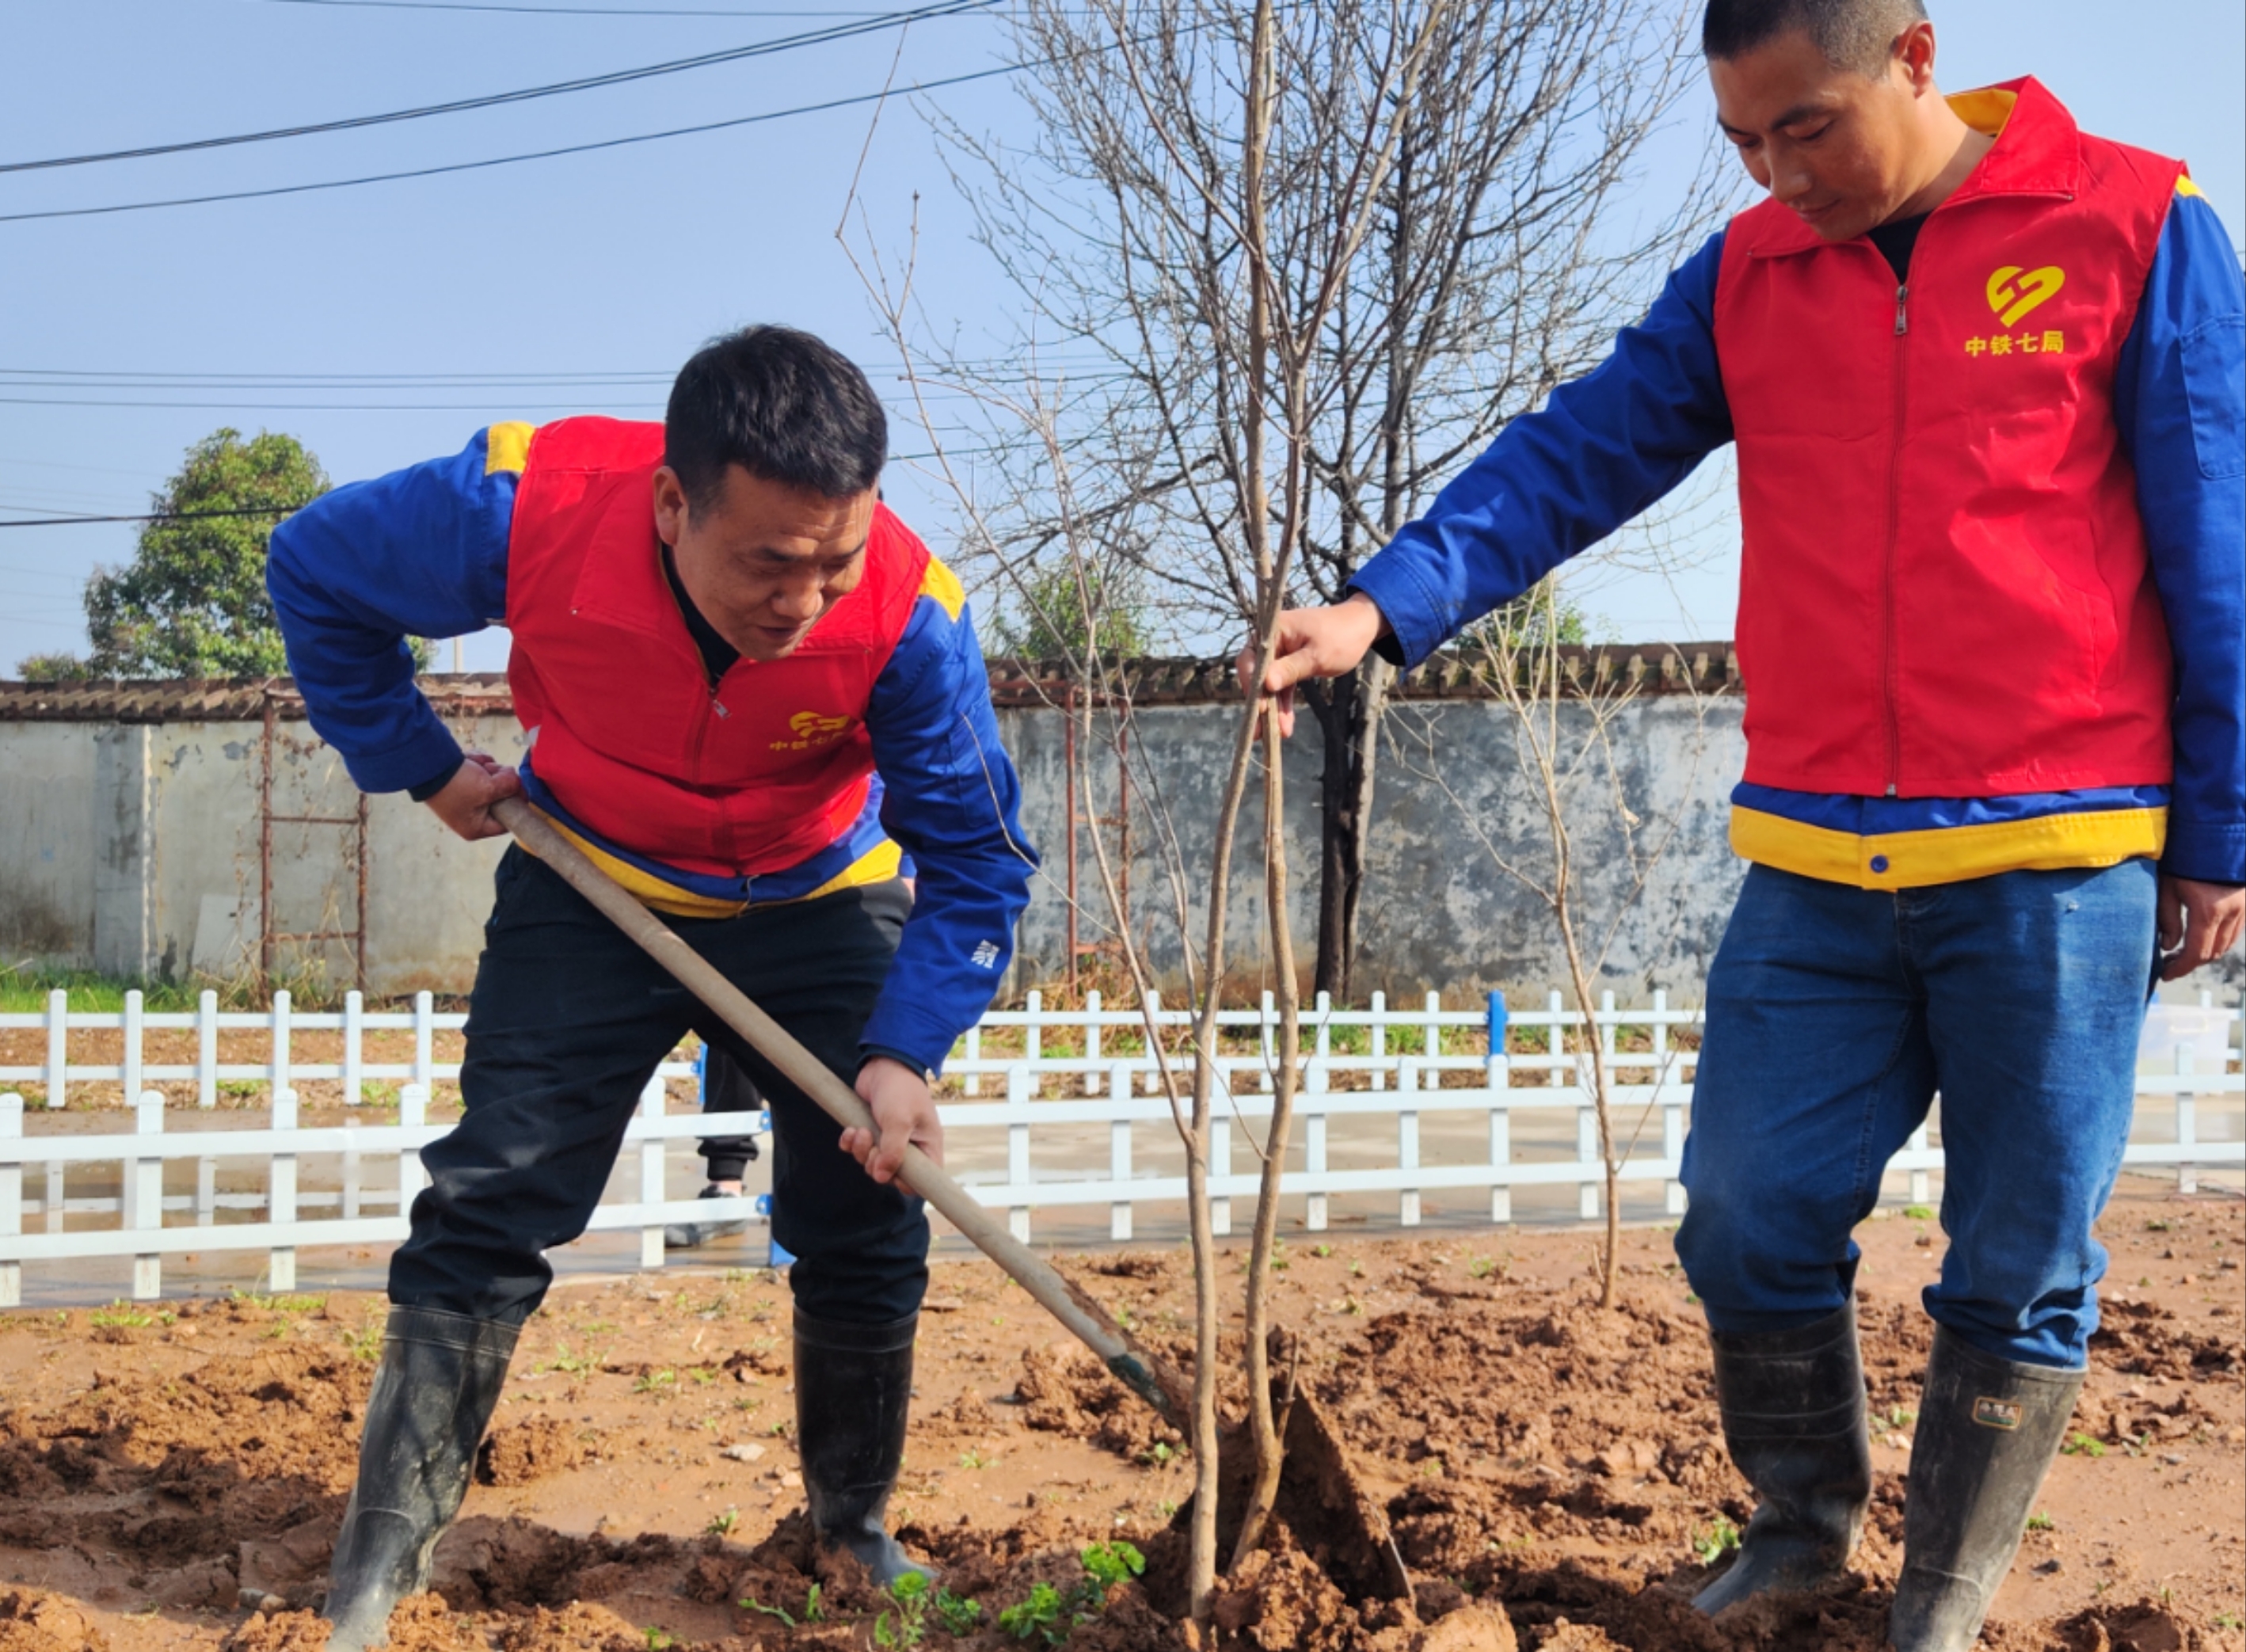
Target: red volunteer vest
(1945,591)
(624,730)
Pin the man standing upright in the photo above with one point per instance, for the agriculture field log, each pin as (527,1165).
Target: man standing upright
(718,632)
(1982,370)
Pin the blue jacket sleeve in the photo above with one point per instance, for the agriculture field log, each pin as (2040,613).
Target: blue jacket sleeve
(2180,395)
(953,803)
(421,552)
(1558,480)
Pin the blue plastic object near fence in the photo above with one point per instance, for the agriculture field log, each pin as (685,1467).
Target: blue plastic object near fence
(1496,1025)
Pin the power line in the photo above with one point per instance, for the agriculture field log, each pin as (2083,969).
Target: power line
(508,160)
(154,516)
(565,12)
(614,77)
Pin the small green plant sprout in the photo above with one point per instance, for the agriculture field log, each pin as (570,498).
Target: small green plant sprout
(704,1375)
(1355,1268)
(1279,1258)
(1157,1454)
(658,1640)
(1919,1213)
(122,1315)
(1712,1543)
(749,1603)
(907,1623)
(723,1525)
(2228,1620)
(1322,1250)
(364,1343)
(1480,1267)
(1108,1564)
(973,1459)
(958,1613)
(2040,1521)
(656,1382)
(2160,1224)
(812,1611)
(2081,1444)
(1900,1416)
(1038,1616)
(569,1364)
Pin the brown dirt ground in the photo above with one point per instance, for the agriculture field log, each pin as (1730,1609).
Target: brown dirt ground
(1549,1468)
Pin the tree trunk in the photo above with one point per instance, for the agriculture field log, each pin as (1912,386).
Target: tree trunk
(1348,710)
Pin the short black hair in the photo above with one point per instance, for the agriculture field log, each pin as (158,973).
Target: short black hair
(1853,34)
(784,406)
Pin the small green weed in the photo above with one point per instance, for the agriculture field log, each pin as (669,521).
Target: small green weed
(723,1525)
(365,1343)
(1712,1543)
(1322,1250)
(1039,1614)
(959,1614)
(971,1458)
(2081,1444)
(1108,1564)
(658,1640)
(2040,1521)
(1919,1213)
(570,1364)
(122,1314)
(907,1625)
(1480,1267)
(660,1382)
(1899,1417)
(1157,1454)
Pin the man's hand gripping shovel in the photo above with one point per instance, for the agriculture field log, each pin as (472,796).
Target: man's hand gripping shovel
(1319,1496)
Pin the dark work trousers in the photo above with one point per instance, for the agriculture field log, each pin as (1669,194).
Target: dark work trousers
(567,1024)
(727,1089)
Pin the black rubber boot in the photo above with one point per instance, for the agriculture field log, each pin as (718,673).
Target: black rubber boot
(853,1391)
(441,1374)
(702,1230)
(1793,1417)
(1987,1431)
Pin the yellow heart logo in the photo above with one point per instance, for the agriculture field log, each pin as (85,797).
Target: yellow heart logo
(2012,295)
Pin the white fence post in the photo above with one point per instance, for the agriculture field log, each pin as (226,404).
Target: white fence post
(132,1062)
(354,1037)
(425,1045)
(1316,1211)
(1220,1151)
(1407,1140)
(280,1079)
(651,1174)
(2187,1125)
(11,1199)
(1377,1045)
(1922,1186)
(57,1044)
(350,1193)
(280,1194)
(1019,1082)
(970,1082)
(1267,1042)
(413,1113)
(1092,1042)
(146,1205)
(1672,1112)
(207,1049)
(1497,1070)
(1119,1154)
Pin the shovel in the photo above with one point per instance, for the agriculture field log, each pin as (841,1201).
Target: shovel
(1332,1516)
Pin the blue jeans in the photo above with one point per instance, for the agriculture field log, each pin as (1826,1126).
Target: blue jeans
(1835,1014)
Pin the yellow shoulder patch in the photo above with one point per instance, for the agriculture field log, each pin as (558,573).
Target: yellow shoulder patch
(1985,109)
(944,585)
(506,447)
(2185,187)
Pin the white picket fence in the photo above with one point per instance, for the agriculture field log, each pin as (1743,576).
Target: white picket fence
(1379,1063)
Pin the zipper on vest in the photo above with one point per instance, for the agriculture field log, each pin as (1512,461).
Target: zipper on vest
(1889,670)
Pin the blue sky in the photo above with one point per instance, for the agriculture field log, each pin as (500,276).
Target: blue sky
(618,262)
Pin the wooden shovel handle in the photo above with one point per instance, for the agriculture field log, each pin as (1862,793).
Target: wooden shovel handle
(1138,1367)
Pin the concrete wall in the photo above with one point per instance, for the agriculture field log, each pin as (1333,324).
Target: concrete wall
(133,848)
(1455,808)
